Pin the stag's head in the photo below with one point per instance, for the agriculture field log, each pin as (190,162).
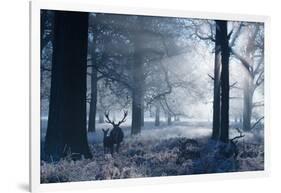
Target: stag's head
(106,114)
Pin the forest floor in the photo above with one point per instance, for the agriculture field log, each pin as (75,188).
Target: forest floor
(165,151)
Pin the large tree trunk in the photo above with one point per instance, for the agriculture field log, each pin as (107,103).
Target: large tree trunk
(142,113)
(224,134)
(66,131)
(249,87)
(94,86)
(137,95)
(248,93)
(157,114)
(217,90)
(93,102)
(138,81)
(136,114)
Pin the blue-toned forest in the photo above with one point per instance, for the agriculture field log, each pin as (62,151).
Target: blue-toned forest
(128,96)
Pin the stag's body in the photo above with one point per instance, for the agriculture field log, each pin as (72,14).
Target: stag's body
(116,134)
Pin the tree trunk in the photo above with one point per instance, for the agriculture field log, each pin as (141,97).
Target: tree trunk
(157,114)
(138,81)
(169,119)
(235,119)
(101,116)
(224,132)
(93,102)
(142,113)
(248,93)
(249,87)
(150,112)
(217,90)
(66,131)
(94,77)
(240,121)
(136,113)
(137,97)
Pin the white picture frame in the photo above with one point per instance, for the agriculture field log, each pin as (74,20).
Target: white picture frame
(36,6)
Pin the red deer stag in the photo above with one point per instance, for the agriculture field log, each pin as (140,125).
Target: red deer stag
(116,134)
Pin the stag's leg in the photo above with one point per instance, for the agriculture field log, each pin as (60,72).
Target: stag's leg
(117,147)
(111,149)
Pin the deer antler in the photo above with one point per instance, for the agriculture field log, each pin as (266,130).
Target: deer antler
(106,114)
(123,120)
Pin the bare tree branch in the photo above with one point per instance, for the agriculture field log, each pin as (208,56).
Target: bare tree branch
(233,84)
(244,62)
(237,137)
(235,35)
(257,122)
(209,37)
(234,97)
(260,79)
(211,77)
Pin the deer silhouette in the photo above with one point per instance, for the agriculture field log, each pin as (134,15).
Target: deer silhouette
(107,142)
(116,134)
